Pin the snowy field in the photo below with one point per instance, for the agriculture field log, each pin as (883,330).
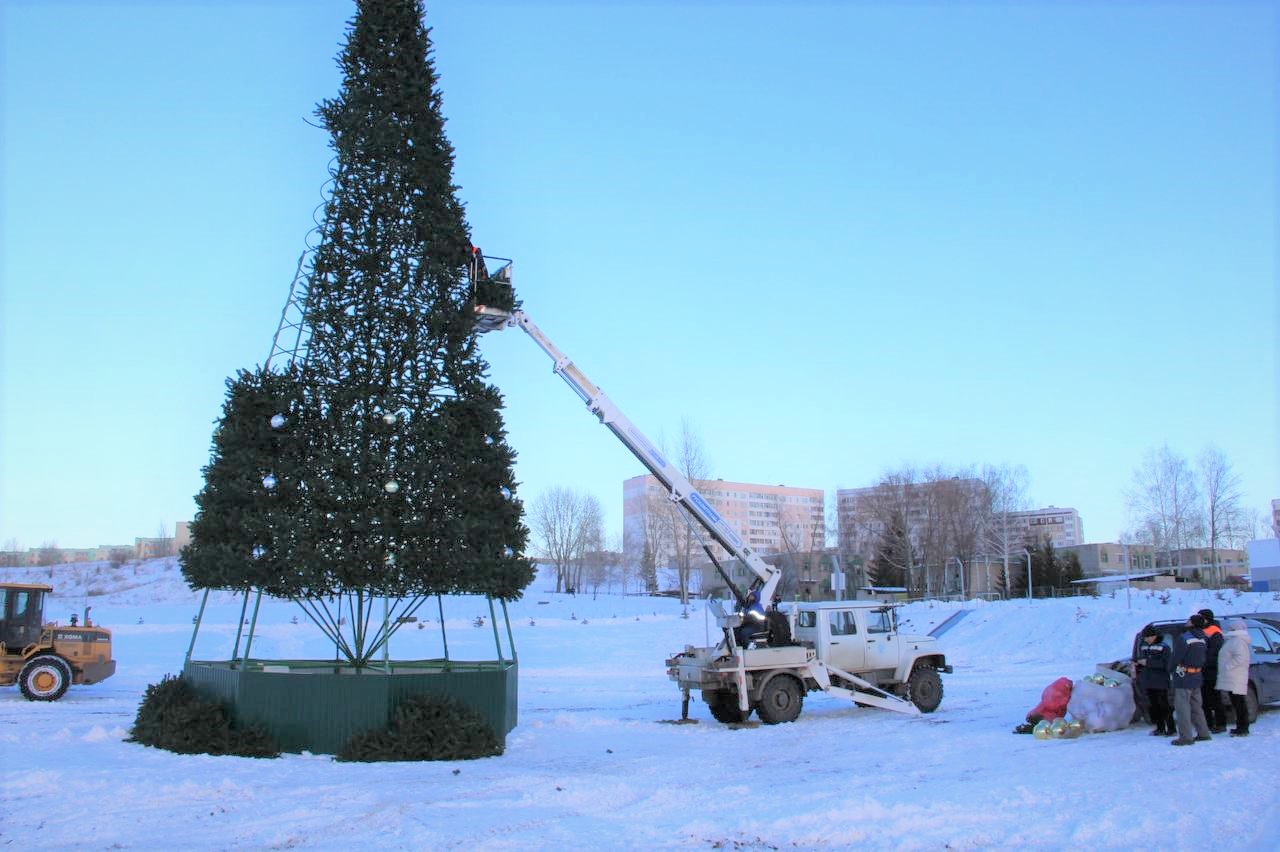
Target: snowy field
(592,766)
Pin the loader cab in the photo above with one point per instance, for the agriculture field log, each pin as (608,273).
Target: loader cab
(21,614)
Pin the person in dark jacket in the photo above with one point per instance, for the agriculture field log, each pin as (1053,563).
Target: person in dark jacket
(1214,713)
(1186,678)
(1152,662)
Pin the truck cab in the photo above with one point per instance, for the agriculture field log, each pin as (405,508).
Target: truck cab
(862,637)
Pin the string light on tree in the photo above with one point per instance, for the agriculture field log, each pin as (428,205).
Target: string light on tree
(391,487)
(269,482)
(277,421)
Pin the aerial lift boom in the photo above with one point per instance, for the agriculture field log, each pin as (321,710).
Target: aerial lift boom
(758,665)
(679,489)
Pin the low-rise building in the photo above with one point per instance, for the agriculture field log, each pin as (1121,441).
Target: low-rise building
(1102,558)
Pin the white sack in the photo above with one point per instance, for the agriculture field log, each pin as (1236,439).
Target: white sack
(1101,708)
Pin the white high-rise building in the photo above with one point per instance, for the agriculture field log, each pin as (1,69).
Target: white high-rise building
(1061,526)
(769,518)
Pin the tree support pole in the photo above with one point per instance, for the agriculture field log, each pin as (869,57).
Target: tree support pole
(196,630)
(443,635)
(493,619)
(235,652)
(253,626)
(386,634)
(510,637)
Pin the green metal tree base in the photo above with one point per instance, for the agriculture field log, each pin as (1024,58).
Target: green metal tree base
(317,706)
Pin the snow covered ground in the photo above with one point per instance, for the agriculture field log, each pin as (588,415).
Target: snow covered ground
(591,765)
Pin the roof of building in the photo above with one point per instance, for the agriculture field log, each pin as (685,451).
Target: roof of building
(1121,578)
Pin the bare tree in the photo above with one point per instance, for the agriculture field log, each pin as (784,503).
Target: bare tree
(1222,515)
(590,543)
(953,505)
(12,553)
(1001,537)
(1164,502)
(684,536)
(49,555)
(802,534)
(1250,525)
(880,530)
(645,536)
(165,540)
(565,522)
(603,567)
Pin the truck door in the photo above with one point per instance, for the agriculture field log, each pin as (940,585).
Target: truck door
(844,645)
(881,650)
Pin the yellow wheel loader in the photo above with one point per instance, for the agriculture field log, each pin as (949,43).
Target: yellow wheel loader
(45,658)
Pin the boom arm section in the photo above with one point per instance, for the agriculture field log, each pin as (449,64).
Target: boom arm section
(679,489)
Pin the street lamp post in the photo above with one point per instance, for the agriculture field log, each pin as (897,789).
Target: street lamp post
(1028,553)
(960,562)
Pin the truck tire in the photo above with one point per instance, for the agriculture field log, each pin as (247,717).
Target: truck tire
(924,689)
(724,708)
(780,700)
(45,677)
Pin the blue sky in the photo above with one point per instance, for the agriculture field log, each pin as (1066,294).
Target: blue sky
(838,238)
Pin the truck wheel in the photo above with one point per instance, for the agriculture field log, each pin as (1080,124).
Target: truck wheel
(924,689)
(44,678)
(780,700)
(724,708)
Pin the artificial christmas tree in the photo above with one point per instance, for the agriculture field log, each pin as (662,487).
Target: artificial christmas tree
(367,460)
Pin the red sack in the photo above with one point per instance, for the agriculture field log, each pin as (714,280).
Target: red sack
(1053,701)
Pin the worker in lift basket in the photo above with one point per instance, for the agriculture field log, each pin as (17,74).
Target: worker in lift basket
(753,619)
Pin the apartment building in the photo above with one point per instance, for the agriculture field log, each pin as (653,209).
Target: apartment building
(1061,526)
(769,518)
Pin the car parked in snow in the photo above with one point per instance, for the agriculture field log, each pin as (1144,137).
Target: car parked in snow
(1264,665)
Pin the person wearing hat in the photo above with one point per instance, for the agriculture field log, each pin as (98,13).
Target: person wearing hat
(1187,676)
(1152,663)
(1233,672)
(1214,713)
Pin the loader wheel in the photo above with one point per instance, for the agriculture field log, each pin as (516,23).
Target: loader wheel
(724,708)
(44,678)
(780,700)
(924,689)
